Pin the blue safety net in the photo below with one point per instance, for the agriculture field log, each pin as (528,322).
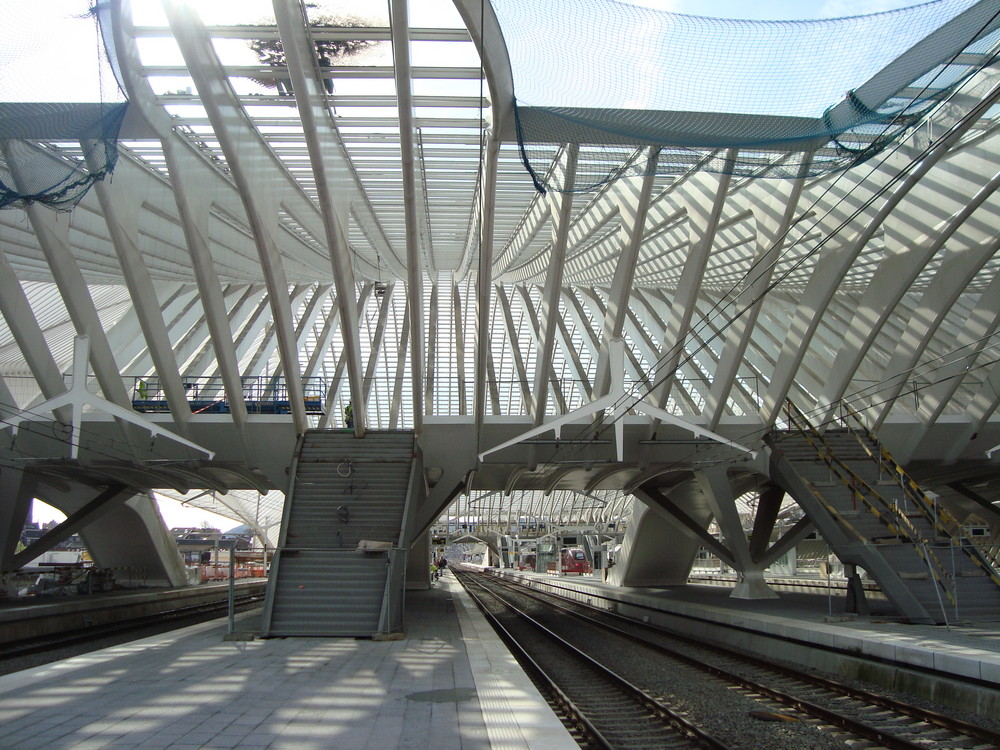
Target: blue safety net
(59,86)
(645,89)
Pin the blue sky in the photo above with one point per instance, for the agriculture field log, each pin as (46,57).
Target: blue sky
(676,63)
(776,9)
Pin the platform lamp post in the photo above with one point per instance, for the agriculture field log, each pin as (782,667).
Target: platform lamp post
(559,545)
(260,535)
(232,588)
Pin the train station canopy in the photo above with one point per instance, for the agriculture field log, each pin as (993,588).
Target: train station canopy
(444,210)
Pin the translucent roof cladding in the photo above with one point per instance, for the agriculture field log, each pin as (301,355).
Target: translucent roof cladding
(53,52)
(608,54)
(239,12)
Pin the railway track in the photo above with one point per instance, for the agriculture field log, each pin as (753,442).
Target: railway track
(99,636)
(604,709)
(863,718)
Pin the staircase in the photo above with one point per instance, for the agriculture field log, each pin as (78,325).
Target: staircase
(874,515)
(338,569)
(592,548)
(506,546)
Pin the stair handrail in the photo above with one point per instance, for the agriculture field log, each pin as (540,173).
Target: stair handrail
(940,519)
(860,489)
(293,473)
(397,559)
(902,527)
(909,486)
(836,514)
(905,529)
(286,509)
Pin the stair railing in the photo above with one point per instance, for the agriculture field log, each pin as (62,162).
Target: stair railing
(939,518)
(392,615)
(887,513)
(804,428)
(286,510)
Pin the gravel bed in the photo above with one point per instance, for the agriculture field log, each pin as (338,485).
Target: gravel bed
(721,710)
(956,713)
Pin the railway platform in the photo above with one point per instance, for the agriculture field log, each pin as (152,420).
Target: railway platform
(957,665)
(448,684)
(33,617)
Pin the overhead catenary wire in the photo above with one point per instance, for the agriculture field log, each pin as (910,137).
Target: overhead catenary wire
(746,281)
(704,454)
(102,445)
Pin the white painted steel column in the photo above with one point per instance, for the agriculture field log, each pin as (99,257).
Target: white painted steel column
(397,390)
(318,132)
(414,272)
(573,356)
(432,339)
(831,268)
(704,207)
(334,386)
(181,165)
(28,335)
(893,278)
(774,219)
(127,346)
(458,336)
(53,238)
(515,347)
(120,209)
(535,330)
(633,195)
(378,341)
(322,342)
(484,277)
(714,482)
(272,340)
(549,305)
(980,326)
(248,161)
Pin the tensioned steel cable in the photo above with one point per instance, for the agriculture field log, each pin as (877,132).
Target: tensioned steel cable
(705,460)
(716,309)
(756,265)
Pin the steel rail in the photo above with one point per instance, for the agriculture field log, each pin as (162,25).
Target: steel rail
(28,646)
(916,713)
(678,723)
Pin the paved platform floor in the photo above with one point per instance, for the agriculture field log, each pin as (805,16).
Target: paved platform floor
(450,684)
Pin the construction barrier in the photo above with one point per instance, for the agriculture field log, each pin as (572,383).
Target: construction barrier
(221,572)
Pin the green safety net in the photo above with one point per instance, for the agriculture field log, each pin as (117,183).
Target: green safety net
(60,86)
(642,89)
